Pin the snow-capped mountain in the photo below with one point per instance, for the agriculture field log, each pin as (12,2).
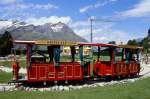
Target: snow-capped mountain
(24,31)
(57,27)
(8,23)
(5,24)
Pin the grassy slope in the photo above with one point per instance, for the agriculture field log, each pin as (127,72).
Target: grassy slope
(5,77)
(138,90)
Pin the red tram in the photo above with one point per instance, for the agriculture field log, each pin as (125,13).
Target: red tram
(41,70)
(122,60)
(119,61)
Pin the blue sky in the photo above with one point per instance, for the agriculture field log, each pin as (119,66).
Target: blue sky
(133,16)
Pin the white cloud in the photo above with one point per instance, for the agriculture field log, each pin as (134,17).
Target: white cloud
(139,10)
(24,10)
(44,6)
(119,36)
(96,5)
(79,24)
(84,9)
(51,19)
(82,32)
(7,1)
(102,39)
(36,6)
(21,6)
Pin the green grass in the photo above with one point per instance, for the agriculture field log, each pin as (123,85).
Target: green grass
(5,63)
(5,77)
(22,63)
(138,90)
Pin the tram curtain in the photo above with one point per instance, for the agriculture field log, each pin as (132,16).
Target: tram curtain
(56,52)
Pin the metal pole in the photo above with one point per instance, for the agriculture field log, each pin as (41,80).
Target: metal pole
(91,30)
(91,19)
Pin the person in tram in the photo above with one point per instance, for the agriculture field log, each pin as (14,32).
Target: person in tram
(54,54)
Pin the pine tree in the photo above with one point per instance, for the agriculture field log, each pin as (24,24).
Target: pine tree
(5,44)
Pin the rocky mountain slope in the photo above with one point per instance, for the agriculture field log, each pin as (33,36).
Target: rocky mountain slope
(24,31)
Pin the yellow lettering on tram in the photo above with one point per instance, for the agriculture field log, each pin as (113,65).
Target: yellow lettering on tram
(56,42)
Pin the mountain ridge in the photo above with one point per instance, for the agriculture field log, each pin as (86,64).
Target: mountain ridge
(58,31)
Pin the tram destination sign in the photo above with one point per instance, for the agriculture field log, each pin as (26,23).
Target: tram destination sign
(56,42)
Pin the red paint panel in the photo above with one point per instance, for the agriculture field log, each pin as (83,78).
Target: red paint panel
(69,72)
(32,73)
(42,72)
(77,71)
(60,73)
(48,72)
(103,68)
(51,72)
(134,68)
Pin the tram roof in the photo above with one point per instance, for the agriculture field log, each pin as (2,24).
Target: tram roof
(23,42)
(111,45)
(47,42)
(61,42)
(71,43)
(130,46)
(98,44)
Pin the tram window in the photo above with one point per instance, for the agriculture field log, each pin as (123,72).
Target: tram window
(69,54)
(118,54)
(66,54)
(37,59)
(105,54)
(38,55)
(131,55)
(134,55)
(87,53)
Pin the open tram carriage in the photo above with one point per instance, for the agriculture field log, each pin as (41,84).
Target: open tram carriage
(115,61)
(52,65)
(97,60)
